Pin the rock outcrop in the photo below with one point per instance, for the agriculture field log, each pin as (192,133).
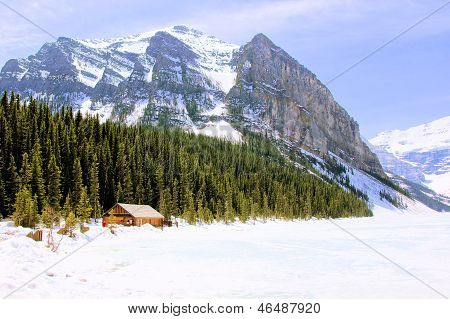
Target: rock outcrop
(275,92)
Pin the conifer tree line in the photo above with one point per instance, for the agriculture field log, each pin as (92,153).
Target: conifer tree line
(77,165)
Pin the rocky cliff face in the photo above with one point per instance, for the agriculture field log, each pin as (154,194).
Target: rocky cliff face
(175,86)
(184,77)
(274,91)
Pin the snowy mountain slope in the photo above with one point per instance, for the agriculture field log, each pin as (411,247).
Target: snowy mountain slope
(172,65)
(420,154)
(214,55)
(350,177)
(423,194)
(391,163)
(427,137)
(220,129)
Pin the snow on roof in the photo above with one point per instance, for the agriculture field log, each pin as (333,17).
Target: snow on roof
(141,211)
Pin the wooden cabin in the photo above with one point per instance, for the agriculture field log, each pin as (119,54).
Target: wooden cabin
(133,215)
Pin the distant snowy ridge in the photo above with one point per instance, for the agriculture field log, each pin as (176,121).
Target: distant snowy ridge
(434,135)
(420,154)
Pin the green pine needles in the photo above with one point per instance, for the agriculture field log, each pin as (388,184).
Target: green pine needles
(81,167)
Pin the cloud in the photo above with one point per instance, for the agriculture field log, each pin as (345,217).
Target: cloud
(20,37)
(322,20)
(276,13)
(318,24)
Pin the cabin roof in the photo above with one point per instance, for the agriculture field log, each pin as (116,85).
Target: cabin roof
(140,211)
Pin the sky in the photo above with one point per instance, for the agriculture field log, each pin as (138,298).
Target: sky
(404,84)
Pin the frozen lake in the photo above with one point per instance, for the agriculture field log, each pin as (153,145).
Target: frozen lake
(304,259)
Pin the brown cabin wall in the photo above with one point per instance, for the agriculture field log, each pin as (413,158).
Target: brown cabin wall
(122,217)
(117,209)
(152,221)
(120,220)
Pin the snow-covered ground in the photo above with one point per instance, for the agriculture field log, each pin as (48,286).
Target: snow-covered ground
(440,183)
(220,129)
(304,259)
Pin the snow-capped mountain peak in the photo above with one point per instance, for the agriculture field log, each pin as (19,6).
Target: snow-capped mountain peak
(420,153)
(214,55)
(99,72)
(434,135)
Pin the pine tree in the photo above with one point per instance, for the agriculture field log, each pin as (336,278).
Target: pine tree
(165,203)
(119,193)
(185,183)
(308,205)
(94,189)
(220,211)
(229,214)
(127,188)
(4,100)
(4,200)
(148,191)
(12,183)
(208,217)
(50,216)
(53,184)
(175,210)
(266,208)
(25,209)
(4,205)
(70,224)
(67,208)
(200,210)
(77,182)
(254,211)
(190,214)
(244,214)
(37,179)
(160,177)
(83,210)
(140,191)
(25,172)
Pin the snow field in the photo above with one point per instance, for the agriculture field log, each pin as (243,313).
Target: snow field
(430,136)
(296,259)
(220,129)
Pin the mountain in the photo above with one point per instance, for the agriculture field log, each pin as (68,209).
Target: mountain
(273,90)
(420,154)
(178,70)
(423,194)
(181,76)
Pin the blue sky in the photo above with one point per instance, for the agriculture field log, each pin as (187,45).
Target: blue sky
(405,84)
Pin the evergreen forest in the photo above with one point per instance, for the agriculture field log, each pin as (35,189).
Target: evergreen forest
(76,164)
